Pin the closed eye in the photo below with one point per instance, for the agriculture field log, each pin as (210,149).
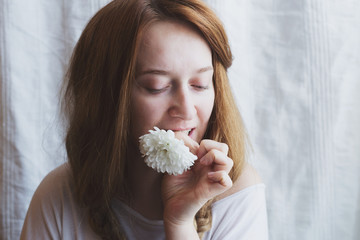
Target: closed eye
(200,87)
(156,90)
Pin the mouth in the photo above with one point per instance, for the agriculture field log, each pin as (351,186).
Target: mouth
(187,131)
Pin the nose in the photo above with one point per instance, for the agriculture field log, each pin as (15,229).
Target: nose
(182,104)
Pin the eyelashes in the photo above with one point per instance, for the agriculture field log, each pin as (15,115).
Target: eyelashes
(161,90)
(200,87)
(156,91)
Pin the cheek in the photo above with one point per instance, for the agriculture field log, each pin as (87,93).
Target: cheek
(204,113)
(207,106)
(144,116)
(204,110)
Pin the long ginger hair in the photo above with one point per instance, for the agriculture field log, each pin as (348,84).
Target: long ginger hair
(97,101)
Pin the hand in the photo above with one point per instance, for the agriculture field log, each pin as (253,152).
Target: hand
(185,194)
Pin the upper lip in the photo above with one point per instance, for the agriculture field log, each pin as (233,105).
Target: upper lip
(181,129)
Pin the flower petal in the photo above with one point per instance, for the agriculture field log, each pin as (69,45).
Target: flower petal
(165,153)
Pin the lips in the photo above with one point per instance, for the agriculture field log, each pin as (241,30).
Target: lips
(187,131)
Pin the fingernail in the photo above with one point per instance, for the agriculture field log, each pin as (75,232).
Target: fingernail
(211,174)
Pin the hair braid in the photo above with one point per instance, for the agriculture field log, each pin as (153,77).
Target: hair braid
(203,219)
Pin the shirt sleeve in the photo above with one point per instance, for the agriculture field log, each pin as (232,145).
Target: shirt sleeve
(242,215)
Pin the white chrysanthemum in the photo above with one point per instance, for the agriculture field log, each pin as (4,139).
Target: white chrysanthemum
(165,153)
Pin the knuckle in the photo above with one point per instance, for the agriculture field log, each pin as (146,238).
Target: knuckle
(225,179)
(216,154)
(230,183)
(231,162)
(230,165)
(205,142)
(224,147)
(224,173)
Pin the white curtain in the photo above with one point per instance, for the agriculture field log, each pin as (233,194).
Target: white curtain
(296,77)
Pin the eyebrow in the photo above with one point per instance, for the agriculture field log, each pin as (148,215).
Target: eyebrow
(165,73)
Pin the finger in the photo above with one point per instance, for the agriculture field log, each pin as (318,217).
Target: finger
(188,141)
(218,159)
(220,177)
(206,145)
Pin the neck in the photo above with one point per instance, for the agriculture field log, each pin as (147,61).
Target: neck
(144,187)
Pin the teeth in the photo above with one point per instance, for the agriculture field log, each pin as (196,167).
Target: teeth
(186,131)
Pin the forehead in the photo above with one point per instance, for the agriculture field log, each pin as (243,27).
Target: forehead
(168,43)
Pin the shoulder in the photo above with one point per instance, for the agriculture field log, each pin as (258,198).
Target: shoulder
(54,183)
(43,217)
(62,172)
(53,212)
(53,189)
(249,177)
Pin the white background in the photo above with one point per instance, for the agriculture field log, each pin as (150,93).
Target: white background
(296,77)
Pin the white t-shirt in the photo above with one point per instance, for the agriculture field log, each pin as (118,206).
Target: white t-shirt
(54,214)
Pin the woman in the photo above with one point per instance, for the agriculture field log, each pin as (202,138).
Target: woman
(140,64)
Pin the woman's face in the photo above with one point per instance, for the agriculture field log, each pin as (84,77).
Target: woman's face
(173,87)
